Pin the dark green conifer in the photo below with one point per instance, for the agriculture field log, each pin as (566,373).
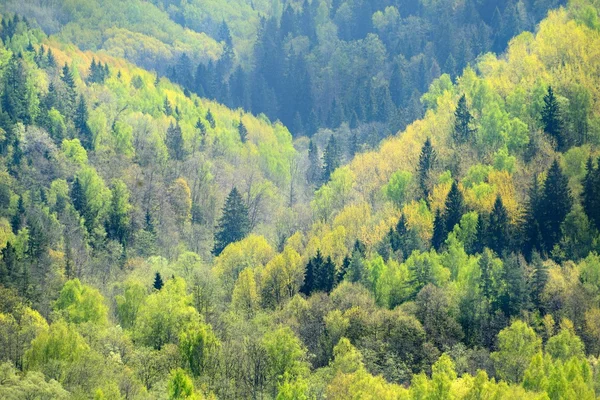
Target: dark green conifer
(234,224)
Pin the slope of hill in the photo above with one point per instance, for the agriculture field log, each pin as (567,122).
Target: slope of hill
(458,260)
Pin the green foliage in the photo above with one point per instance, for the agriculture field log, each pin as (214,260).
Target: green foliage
(81,303)
(517,345)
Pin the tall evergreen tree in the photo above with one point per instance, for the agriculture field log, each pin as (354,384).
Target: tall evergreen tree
(538,281)
(242,131)
(454,208)
(515,296)
(427,160)
(16,96)
(463,132)
(167,107)
(234,224)
(552,119)
(498,228)
(331,158)
(325,276)
(117,224)
(69,102)
(555,204)
(532,228)
(439,230)
(210,119)
(590,196)
(313,174)
(174,142)
(158,281)
(80,121)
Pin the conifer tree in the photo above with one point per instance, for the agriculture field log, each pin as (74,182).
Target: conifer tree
(242,131)
(331,158)
(313,174)
(117,225)
(312,266)
(210,119)
(552,120)
(16,101)
(439,230)
(590,196)
(532,228)
(539,279)
(78,198)
(80,121)
(51,60)
(462,126)
(70,101)
(158,281)
(325,276)
(234,224)
(427,160)
(454,208)
(556,203)
(168,108)
(515,296)
(174,142)
(498,228)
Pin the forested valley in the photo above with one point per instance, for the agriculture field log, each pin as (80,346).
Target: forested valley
(299,199)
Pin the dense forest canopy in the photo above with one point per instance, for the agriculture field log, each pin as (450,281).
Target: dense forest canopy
(299,200)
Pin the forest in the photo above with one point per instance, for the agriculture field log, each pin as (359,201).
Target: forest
(300,199)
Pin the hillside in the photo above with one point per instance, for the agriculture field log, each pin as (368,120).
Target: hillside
(159,245)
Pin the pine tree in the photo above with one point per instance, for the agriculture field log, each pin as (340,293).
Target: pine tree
(174,142)
(552,120)
(353,144)
(202,129)
(454,207)
(427,160)
(242,131)
(17,220)
(331,158)
(486,265)
(8,265)
(498,228)
(555,204)
(313,174)
(158,281)
(80,121)
(462,126)
(234,224)
(515,296)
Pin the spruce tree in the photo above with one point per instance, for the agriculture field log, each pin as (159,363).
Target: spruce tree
(242,131)
(454,207)
(539,279)
(590,196)
(462,125)
(313,174)
(80,121)
(439,230)
(498,228)
(210,119)
(78,198)
(552,120)
(167,107)
(331,158)
(325,276)
(15,96)
(556,203)
(158,281)
(532,229)
(174,142)
(427,160)
(234,224)
(69,102)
